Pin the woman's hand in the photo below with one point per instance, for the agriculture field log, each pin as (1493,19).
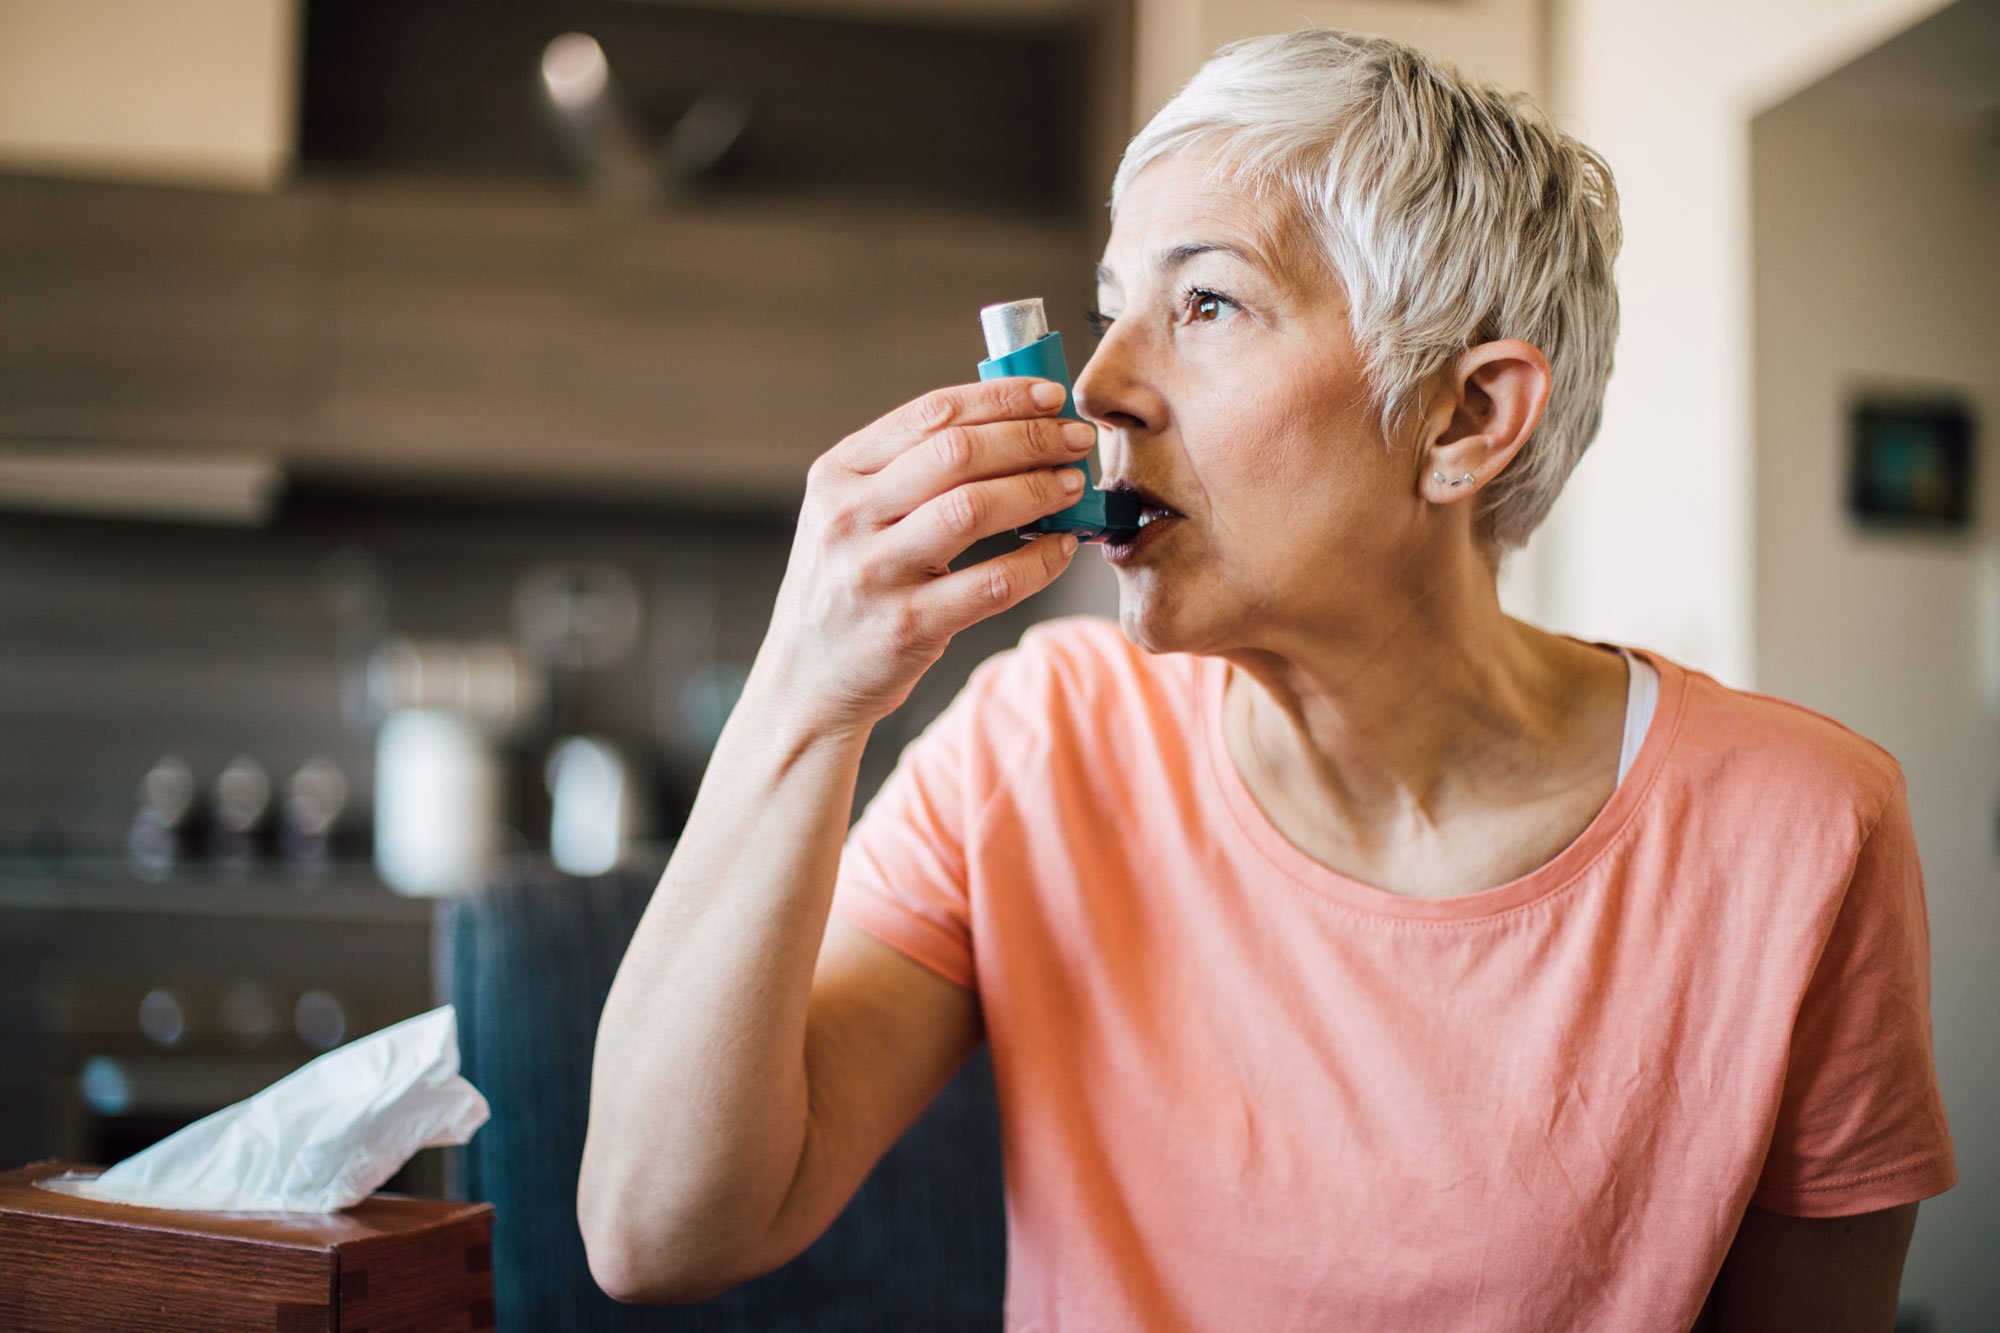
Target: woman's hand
(869,599)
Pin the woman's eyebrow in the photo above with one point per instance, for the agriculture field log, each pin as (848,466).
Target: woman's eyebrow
(1174,257)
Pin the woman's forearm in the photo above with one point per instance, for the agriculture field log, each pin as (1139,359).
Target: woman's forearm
(699,1099)
(699,1096)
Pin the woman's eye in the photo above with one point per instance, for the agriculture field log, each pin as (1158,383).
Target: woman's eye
(1206,307)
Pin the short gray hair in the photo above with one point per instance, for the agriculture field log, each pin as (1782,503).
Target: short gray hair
(1451,212)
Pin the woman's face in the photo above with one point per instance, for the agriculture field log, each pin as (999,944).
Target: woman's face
(1230,390)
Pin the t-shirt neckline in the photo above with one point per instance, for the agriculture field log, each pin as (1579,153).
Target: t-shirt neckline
(1256,828)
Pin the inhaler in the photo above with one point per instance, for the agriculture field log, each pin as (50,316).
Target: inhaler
(1018,342)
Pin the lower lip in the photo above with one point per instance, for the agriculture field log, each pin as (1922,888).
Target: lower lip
(1122,553)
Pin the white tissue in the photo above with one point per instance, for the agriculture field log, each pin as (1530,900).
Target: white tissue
(320,1139)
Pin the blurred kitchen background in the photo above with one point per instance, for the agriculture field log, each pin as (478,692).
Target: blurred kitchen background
(404,407)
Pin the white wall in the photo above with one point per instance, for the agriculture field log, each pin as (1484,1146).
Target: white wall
(197,92)
(1500,40)
(1652,539)
(1875,268)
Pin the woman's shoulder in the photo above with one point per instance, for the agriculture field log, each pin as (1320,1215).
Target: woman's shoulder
(1745,739)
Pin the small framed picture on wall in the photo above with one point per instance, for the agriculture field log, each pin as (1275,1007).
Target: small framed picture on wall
(1910,463)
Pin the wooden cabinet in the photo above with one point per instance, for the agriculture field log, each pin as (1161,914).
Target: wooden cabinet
(482,334)
(134,313)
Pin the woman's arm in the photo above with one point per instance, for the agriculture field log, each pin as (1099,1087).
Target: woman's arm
(737,1098)
(1811,1274)
(741,1094)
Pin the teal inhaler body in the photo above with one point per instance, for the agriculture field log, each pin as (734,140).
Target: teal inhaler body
(1018,343)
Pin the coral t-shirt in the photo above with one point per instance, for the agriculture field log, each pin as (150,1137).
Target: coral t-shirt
(1239,1090)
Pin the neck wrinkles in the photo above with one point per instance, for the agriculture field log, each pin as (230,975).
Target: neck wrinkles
(1442,712)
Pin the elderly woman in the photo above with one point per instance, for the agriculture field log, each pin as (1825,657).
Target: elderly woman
(1353,955)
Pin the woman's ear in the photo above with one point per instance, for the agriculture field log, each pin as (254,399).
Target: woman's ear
(1492,400)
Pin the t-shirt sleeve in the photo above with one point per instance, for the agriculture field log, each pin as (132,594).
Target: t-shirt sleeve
(1861,1124)
(903,871)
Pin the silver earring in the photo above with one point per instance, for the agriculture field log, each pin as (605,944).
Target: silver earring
(1462,480)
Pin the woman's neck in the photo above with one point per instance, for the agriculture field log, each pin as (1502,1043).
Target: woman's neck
(1448,710)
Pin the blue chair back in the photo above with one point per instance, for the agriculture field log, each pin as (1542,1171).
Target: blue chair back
(921,1246)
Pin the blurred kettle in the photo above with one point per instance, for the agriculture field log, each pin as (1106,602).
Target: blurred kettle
(444,707)
(593,805)
(438,792)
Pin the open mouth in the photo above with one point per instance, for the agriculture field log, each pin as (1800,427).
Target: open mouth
(1153,511)
(1151,507)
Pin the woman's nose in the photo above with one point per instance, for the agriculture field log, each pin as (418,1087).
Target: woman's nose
(1114,390)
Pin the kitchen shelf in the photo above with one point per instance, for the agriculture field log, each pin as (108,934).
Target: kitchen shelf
(344,893)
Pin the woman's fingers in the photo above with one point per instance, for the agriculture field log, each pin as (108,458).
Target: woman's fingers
(950,603)
(869,598)
(876,445)
(961,454)
(941,528)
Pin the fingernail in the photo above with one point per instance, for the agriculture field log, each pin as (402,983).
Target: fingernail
(1079,435)
(1069,541)
(1048,394)
(1072,479)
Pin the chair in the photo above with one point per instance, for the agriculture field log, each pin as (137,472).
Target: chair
(531,957)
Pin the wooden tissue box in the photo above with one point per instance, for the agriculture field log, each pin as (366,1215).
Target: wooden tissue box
(387,1265)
